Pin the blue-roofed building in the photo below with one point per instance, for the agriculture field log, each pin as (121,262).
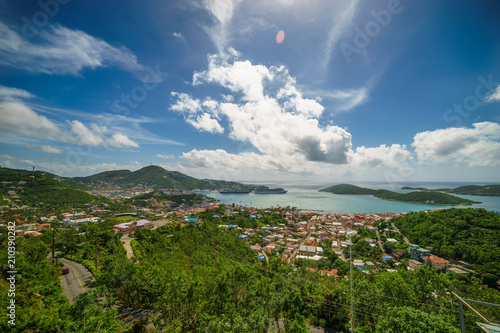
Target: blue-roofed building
(244,237)
(191,219)
(386,258)
(260,257)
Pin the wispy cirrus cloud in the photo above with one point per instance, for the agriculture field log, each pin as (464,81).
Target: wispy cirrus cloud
(495,96)
(343,13)
(59,50)
(166,156)
(341,100)
(45,149)
(9,92)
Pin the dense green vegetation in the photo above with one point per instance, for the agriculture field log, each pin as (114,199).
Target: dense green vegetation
(348,189)
(429,197)
(42,190)
(206,279)
(471,235)
(487,190)
(423,197)
(40,304)
(493,190)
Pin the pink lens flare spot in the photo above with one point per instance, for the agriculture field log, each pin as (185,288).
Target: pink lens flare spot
(280,37)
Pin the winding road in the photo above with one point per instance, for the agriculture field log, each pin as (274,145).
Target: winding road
(74,282)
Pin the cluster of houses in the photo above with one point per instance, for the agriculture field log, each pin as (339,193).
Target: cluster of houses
(300,236)
(114,191)
(12,189)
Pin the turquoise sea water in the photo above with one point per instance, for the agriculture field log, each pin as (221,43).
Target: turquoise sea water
(312,199)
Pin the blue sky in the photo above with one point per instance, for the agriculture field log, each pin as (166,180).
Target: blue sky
(315,90)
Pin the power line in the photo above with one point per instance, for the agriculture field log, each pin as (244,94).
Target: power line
(329,307)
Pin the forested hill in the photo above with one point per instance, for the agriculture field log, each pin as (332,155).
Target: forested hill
(155,176)
(471,235)
(486,190)
(348,189)
(40,190)
(423,197)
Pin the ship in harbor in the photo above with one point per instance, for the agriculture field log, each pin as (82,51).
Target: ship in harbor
(234,191)
(267,190)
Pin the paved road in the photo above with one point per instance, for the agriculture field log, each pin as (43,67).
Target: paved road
(397,230)
(379,242)
(126,244)
(73,283)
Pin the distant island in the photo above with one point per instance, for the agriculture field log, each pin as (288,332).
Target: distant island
(421,197)
(484,190)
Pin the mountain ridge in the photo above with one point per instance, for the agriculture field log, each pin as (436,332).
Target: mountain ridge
(153,175)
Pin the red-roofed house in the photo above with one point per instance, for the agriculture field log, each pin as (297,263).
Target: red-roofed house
(256,248)
(437,262)
(414,264)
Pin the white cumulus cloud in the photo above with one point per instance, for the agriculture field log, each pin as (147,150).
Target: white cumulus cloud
(267,111)
(476,146)
(392,156)
(206,123)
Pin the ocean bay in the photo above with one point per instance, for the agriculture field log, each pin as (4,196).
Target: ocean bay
(312,199)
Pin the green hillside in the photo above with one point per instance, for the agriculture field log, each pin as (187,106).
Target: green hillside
(425,197)
(106,175)
(488,190)
(348,189)
(422,197)
(472,235)
(483,190)
(41,190)
(155,176)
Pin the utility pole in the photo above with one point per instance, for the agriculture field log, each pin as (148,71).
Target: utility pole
(462,302)
(350,234)
(95,245)
(53,246)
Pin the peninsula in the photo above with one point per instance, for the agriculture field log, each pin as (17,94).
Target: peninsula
(421,197)
(484,190)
